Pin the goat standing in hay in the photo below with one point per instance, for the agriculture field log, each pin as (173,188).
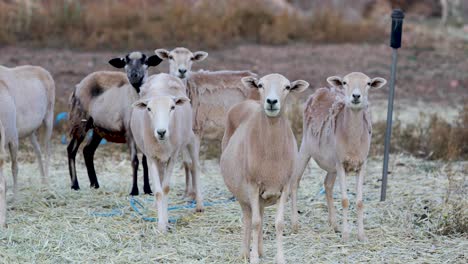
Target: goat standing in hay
(102,102)
(337,133)
(32,90)
(258,159)
(211,95)
(8,137)
(162,126)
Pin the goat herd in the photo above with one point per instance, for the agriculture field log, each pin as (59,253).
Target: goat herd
(163,115)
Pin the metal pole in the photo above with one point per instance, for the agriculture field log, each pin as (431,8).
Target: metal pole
(395,43)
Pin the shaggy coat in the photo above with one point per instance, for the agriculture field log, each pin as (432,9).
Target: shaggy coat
(32,90)
(102,101)
(337,135)
(211,94)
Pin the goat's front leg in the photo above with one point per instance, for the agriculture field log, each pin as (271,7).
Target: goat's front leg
(344,201)
(158,194)
(166,183)
(329,183)
(247,229)
(279,224)
(193,149)
(135,163)
(302,160)
(254,195)
(3,190)
(359,203)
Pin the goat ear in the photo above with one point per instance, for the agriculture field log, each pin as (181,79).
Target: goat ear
(377,83)
(299,86)
(181,100)
(199,56)
(162,53)
(153,61)
(250,82)
(140,104)
(335,81)
(118,62)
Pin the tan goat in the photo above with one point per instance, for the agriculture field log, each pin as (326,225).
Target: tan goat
(162,126)
(211,94)
(8,138)
(33,91)
(259,156)
(337,133)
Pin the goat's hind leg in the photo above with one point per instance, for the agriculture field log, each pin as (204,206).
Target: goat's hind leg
(193,150)
(146,183)
(359,203)
(72,149)
(13,147)
(37,151)
(329,183)
(88,153)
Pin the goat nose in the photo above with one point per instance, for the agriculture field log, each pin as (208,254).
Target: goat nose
(272,102)
(356,96)
(182,71)
(161,132)
(133,75)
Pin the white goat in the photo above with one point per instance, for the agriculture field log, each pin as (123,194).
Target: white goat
(162,126)
(33,91)
(337,134)
(211,94)
(102,102)
(258,158)
(8,137)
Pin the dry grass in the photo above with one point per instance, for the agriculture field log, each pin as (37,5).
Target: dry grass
(141,24)
(436,139)
(61,226)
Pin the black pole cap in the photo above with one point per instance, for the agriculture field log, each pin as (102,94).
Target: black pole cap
(397,28)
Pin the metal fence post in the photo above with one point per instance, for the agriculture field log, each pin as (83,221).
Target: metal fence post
(395,43)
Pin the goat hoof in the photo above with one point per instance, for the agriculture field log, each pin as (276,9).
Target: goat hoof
(94,185)
(75,187)
(295,227)
(199,209)
(134,192)
(363,238)
(345,237)
(147,190)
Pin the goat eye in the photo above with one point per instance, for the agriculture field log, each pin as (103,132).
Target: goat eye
(288,87)
(149,109)
(170,57)
(172,107)
(260,85)
(368,83)
(344,83)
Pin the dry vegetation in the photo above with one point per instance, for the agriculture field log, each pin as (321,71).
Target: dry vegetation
(414,225)
(140,24)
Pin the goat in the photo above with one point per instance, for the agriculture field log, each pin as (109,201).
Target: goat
(259,156)
(337,132)
(102,102)
(161,124)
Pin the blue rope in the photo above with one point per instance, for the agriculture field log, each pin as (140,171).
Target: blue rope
(135,204)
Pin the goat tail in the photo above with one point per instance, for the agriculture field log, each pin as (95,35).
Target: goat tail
(76,116)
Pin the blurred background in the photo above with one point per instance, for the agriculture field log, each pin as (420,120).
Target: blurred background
(302,39)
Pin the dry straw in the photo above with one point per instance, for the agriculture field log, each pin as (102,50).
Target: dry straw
(60,225)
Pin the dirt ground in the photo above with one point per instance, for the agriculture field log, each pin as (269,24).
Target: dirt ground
(58,225)
(429,80)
